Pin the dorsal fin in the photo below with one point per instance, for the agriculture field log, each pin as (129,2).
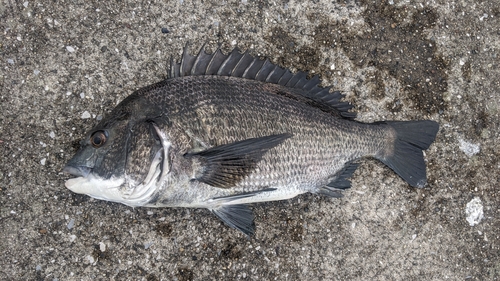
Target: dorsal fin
(244,65)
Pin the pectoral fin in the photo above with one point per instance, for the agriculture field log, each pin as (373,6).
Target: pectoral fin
(225,165)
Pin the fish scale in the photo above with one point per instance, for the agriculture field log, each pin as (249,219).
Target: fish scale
(224,131)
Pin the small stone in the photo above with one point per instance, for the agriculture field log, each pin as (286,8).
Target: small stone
(70,49)
(102,246)
(470,149)
(71,224)
(43,161)
(147,245)
(85,115)
(474,211)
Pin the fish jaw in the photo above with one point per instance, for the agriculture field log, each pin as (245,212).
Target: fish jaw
(102,189)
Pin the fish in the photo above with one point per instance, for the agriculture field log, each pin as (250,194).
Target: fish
(223,131)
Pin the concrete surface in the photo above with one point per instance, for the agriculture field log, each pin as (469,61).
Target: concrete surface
(66,63)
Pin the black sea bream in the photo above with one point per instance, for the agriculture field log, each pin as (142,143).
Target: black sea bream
(224,131)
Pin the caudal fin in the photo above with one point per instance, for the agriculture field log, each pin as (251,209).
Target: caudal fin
(407,159)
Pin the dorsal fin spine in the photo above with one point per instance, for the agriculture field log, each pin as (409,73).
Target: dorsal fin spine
(238,63)
(183,59)
(261,70)
(313,82)
(219,71)
(242,65)
(197,61)
(268,78)
(245,73)
(210,63)
(287,75)
(170,72)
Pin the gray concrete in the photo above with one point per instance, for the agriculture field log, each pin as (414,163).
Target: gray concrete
(65,60)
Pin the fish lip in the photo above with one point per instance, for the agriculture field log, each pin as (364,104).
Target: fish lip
(79,171)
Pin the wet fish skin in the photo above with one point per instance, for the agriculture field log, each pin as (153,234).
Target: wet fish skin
(221,142)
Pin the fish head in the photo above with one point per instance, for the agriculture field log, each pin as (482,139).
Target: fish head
(121,159)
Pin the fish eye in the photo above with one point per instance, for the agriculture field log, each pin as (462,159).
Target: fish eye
(98,139)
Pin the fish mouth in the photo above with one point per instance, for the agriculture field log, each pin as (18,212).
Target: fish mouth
(78,171)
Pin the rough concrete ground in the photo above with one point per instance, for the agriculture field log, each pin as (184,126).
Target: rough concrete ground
(66,63)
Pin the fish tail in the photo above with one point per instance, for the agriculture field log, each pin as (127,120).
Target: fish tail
(406,156)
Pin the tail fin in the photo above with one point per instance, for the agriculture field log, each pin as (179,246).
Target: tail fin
(407,158)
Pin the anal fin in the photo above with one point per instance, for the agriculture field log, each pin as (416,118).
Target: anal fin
(238,216)
(341,181)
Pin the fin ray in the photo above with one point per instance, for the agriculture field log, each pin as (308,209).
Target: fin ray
(201,63)
(230,63)
(242,65)
(285,78)
(217,59)
(230,198)
(187,62)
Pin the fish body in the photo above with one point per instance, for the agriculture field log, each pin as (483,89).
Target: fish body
(224,131)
